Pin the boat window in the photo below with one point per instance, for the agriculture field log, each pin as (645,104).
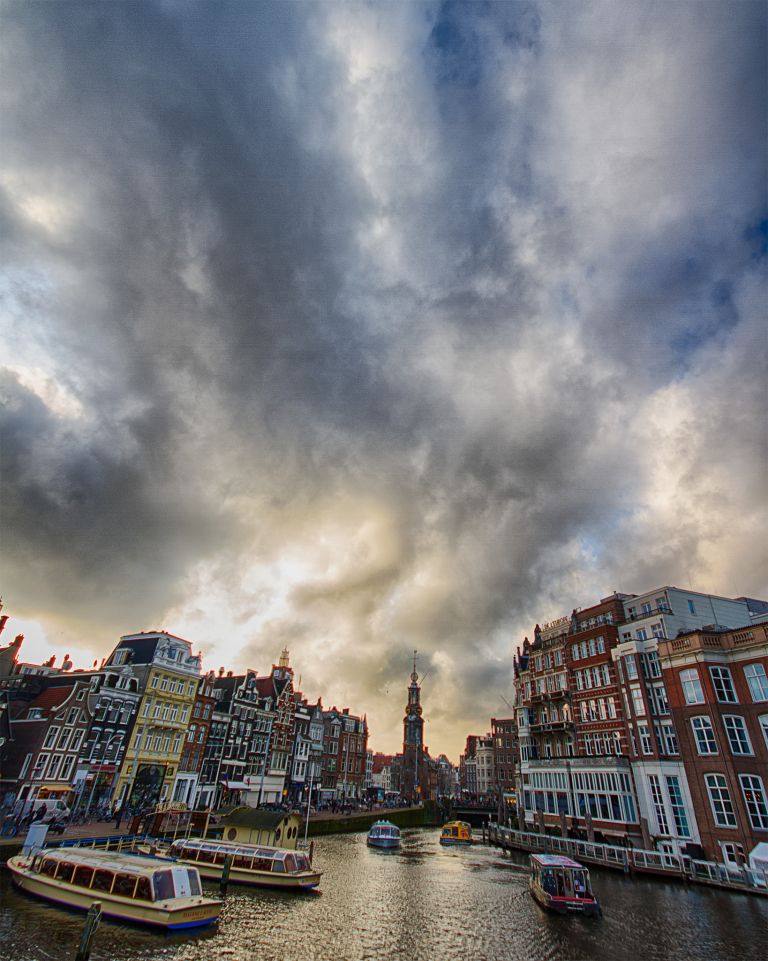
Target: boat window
(263,864)
(125,885)
(83,876)
(163,884)
(194,883)
(143,890)
(102,881)
(219,857)
(206,857)
(278,866)
(302,862)
(290,863)
(48,867)
(242,862)
(65,871)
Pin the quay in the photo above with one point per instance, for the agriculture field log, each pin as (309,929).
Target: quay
(632,860)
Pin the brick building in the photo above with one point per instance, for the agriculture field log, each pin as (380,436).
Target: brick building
(717,683)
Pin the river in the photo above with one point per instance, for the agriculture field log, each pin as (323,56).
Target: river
(423,902)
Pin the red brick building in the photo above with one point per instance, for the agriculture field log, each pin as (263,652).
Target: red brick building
(717,684)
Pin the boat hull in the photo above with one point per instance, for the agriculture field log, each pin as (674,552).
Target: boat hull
(455,842)
(305,881)
(386,843)
(564,905)
(121,909)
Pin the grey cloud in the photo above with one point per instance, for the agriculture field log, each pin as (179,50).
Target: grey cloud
(292,278)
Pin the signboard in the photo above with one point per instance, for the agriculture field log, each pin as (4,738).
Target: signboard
(554,628)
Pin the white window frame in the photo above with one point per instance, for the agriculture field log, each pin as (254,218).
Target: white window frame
(755,800)
(737,734)
(718,793)
(726,687)
(703,728)
(690,682)
(757,679)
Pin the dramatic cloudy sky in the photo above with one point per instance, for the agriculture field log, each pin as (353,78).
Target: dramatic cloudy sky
(364,327)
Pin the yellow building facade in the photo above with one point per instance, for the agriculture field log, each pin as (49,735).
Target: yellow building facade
(169,674)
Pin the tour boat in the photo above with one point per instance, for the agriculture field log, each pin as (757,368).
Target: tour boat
(456,832)
(562,885)
(384,834)
(129,887)
(250,863)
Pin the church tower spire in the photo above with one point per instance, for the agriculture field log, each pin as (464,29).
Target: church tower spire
(413,739)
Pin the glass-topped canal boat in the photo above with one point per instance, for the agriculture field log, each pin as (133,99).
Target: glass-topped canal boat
(456,832)
(384,834)
(562,885)
(251,863)
(129,887)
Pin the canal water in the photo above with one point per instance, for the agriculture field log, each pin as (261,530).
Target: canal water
(423,902)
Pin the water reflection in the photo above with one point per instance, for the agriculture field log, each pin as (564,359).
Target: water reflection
(421,901)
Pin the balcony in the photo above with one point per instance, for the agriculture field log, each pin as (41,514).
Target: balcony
(545,696)
(544,727)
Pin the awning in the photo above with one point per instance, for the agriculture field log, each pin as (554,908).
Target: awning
(235,785)
(61,788)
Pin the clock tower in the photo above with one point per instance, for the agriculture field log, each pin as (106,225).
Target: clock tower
(413,786)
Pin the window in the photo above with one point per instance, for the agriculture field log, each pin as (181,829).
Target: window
(720,800)
(763,722)
(645,607)
(642,634)
(736,730)
(645,738)
(77,739)
(658,803)
(721,678)
(630,666)
(50,737)
(754,797)
(637,702)
(600,645)
(758,683)
(66,768)
(657,630)
(669,738)
(704,734)
(691,607)
(678,807)
(692,690)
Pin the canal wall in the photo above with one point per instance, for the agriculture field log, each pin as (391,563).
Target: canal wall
(632,860)
(418,817)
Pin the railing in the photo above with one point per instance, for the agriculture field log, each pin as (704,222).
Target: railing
(629,859)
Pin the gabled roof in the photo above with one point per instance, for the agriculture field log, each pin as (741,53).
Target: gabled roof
(51,698)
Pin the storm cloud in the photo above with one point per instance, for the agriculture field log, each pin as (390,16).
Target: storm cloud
(359,328)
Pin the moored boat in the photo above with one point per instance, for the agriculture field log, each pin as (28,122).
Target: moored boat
(456,832)
(250,863)
(384,834)
(562,885)
(131,888)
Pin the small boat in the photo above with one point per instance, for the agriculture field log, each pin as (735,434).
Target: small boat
(384,834)
(456,832)
(562,885)
(129,887)
(257,864)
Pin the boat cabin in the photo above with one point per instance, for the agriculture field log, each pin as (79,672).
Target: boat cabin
(209,852)
(104,872)
(562,885)
(456,832)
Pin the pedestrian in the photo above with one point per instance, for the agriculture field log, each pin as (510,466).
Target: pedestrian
(118,815)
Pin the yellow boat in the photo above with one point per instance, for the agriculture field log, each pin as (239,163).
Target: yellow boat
(129,887)
(456,832)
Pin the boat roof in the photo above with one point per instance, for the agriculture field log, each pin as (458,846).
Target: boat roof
(384,824)
(233,847)
(461,824)
(555,861)
(109,860)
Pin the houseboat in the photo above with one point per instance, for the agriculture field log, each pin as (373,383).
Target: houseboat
(384,834)
(129,887)
(562,885)
(456,832)
(264,866)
